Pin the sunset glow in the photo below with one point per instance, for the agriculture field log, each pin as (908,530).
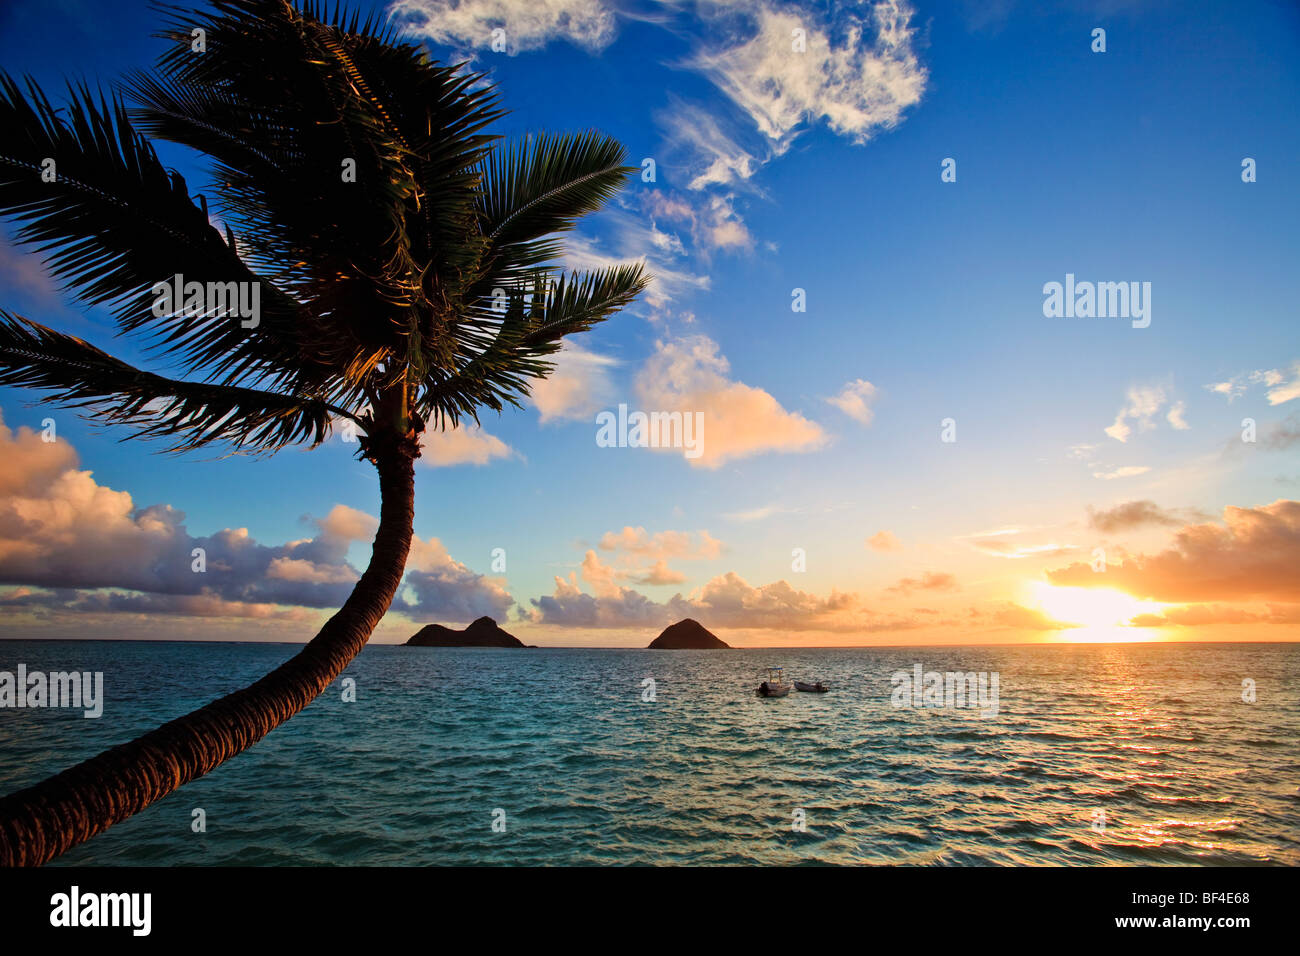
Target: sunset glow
(1097,611)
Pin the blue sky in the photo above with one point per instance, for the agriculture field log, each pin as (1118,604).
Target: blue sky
(924,302)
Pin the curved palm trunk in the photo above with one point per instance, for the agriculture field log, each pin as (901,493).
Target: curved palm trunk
(43,821)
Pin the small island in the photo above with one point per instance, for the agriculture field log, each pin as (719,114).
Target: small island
(482,633)
(687,635)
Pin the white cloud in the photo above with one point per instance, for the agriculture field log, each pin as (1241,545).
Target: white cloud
(528,24)
(1176,416)
(1142,405)
(1283,386)
(633,237)
(668,243)
(714,223)
(1282,390)
(859,73)
(722,227)
(858,70)
(1230,389)
(714,156)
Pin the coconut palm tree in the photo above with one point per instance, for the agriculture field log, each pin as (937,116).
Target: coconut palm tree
(407,270)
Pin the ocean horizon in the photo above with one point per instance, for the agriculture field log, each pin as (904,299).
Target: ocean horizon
(1098,754)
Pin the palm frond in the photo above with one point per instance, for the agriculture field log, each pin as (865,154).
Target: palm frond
(537,317)
(113,222)
(545,183)
(194,414)
(580,300)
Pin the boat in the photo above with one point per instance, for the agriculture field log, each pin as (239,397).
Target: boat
(775,685)
(817,688)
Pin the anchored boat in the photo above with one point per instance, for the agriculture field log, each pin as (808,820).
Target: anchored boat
(775,685)
(817,688)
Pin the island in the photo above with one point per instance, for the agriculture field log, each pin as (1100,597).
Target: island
(482,633)
(687,635)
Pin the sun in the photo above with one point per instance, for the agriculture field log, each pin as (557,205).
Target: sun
(1102,614)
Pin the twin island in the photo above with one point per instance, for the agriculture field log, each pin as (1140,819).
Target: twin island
(684,635)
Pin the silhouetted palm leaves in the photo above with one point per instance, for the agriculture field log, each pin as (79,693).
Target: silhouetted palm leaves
(404,259)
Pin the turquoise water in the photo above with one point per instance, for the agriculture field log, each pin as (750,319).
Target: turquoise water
(1155,736)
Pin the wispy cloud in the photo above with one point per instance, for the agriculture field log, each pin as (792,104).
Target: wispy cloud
(1126,471)
(1283,386)
(755,514)
(858,72)
(711,151)
(632,239)
(1142,404)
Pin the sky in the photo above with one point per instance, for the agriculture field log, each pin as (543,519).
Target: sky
(853,213)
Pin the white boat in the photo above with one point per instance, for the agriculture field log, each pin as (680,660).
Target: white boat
(775,685)
(817,688)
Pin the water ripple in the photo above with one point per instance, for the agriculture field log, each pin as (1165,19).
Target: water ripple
(1100,755)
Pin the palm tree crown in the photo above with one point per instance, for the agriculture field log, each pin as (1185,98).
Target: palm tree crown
(406,262)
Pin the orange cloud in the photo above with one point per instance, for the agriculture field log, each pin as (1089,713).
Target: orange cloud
(1254,554)
(89,547)
(689,375)
(1206,615)
(464,445)
(662,544)
(884,541)
(577,388)
(929,581)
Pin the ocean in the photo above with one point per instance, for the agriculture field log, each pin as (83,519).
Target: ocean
(1114,754)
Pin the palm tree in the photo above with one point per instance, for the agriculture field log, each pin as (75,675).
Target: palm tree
(406,263)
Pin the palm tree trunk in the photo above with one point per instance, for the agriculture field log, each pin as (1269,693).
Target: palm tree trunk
(39,823)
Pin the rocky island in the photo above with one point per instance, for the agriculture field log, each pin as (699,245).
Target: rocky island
(687,635)
(482,633)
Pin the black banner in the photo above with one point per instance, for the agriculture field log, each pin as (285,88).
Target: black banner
(138,906)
